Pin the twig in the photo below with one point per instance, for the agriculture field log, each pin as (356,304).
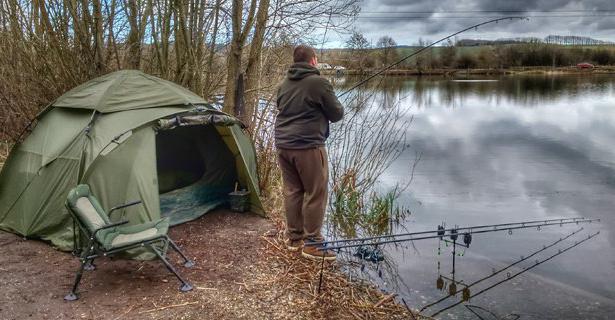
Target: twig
(125,313)
(385,300)
(169,307)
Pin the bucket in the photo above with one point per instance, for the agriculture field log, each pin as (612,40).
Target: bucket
(240,200)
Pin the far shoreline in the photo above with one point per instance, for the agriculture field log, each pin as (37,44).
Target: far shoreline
(477,71)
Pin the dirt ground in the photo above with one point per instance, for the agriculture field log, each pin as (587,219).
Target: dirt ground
(225,246)
(233,279)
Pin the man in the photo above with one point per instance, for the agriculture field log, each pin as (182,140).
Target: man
(306,104)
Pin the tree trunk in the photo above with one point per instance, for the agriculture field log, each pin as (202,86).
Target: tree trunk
(99,60)
(234,57)
(212,50)
(133,54)
(254,62)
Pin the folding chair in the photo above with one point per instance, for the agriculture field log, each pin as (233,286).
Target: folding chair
(106,238)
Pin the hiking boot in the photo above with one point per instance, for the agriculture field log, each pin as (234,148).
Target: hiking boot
(314,250)
(293,245)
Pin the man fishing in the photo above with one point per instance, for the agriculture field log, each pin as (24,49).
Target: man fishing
(306,104)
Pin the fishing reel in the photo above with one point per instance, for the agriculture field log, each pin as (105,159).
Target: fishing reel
(467,239)
(454,235)
(441,231)
(373,255)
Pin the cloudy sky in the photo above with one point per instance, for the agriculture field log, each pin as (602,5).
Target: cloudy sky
(407,21)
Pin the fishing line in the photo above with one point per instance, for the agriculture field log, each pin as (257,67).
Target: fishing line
(441,231)
(508,278)
(438,236)
(360,83)
(496,272)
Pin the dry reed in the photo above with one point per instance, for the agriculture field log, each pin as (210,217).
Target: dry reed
(340,296)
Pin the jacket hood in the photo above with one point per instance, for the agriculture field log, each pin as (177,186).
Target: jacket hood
(300,70)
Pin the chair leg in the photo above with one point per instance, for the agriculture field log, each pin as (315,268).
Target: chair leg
(185,285)
(89,265)
(187,262)
(72,296)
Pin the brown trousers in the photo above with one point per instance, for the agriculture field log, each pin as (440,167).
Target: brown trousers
(305,174)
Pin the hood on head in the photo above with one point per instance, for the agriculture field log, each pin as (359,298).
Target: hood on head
(301,70)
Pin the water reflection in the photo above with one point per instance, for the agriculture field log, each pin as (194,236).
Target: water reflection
(482,313)
(526,91)
(515,149)
(525,263)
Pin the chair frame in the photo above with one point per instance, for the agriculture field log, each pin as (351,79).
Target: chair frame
(94,249)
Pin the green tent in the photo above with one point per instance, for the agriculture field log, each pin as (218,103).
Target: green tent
(130,136)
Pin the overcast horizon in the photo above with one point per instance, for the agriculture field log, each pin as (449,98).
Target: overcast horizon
(407,22)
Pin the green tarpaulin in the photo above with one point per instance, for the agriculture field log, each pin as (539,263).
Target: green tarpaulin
(130,136)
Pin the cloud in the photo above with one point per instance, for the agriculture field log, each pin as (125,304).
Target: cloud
(397,18)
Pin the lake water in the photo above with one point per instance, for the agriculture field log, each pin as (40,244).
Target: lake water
(510,149)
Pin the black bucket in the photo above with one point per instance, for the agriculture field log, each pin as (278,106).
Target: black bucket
(239,201)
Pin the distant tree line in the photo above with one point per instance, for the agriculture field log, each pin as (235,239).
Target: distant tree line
(360,54)
(551,39)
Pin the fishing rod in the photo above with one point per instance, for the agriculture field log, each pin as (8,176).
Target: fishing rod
(496,272)
(360,83)
(508,278)
(454,234)
(455,229)
(441,232)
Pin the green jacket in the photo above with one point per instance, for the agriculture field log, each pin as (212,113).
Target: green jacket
(306,104)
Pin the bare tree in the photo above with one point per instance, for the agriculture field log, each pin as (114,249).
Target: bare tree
(358,49)
(137,16)
(208,86)
(448,54)
(387,50)
(254,60)
(50,46)
(240,34)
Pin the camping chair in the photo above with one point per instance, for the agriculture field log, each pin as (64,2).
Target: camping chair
(106,238)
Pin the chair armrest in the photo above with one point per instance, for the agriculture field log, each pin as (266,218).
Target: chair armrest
(132,203)
(109,226)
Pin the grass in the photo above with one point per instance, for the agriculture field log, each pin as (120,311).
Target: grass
(355,213)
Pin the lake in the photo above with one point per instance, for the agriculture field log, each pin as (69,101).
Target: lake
(504,149)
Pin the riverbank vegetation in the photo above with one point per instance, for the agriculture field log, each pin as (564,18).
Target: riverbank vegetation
(360,54)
